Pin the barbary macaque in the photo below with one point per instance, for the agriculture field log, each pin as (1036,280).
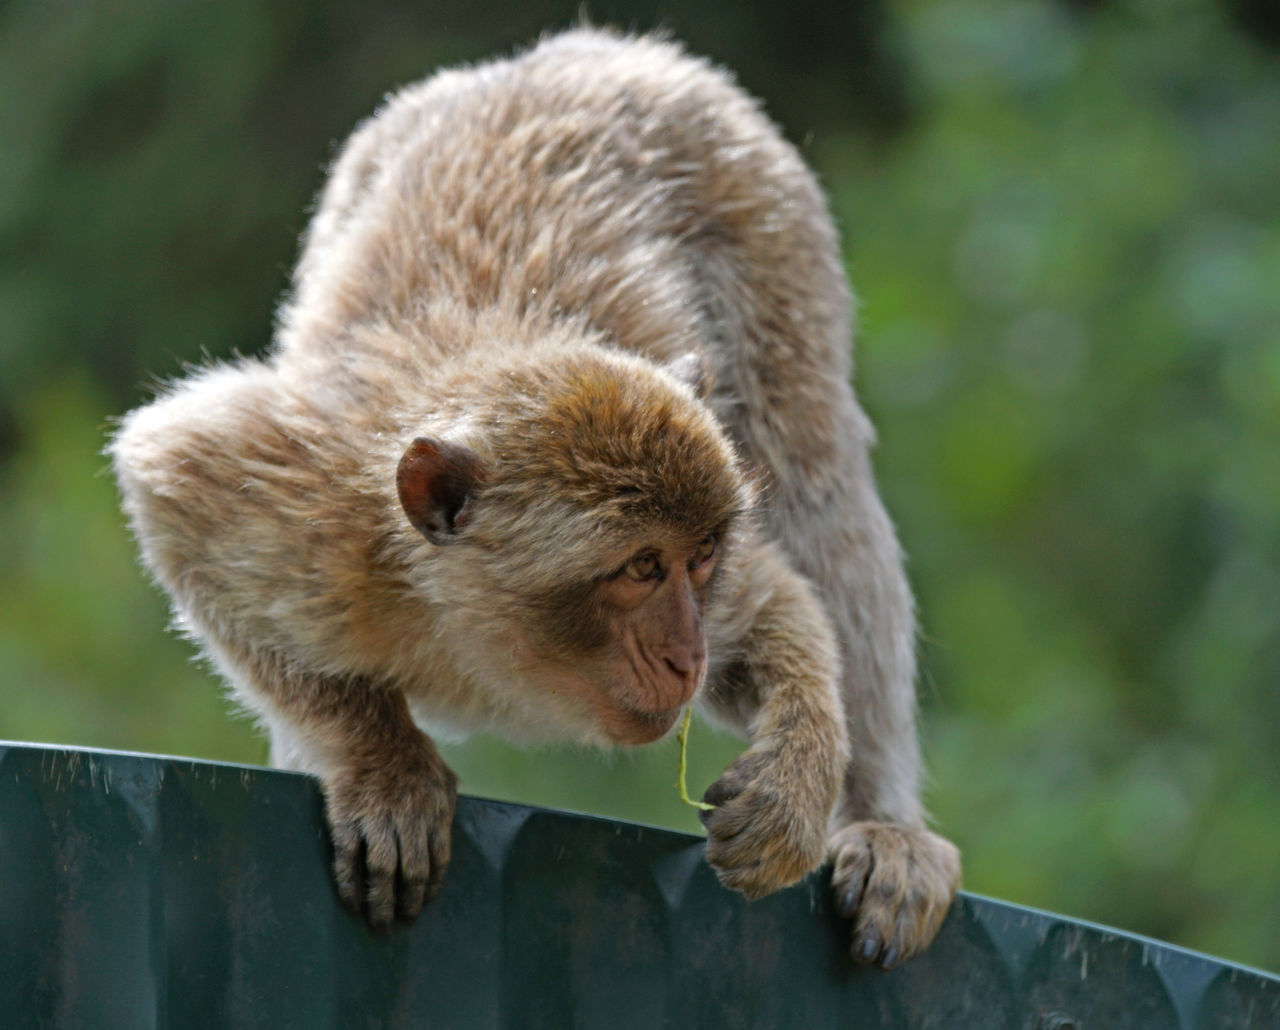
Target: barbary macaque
(556,438)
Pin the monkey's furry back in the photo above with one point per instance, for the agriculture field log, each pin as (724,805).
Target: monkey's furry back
(612,183)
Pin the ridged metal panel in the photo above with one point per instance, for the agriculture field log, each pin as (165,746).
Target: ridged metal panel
(155,892)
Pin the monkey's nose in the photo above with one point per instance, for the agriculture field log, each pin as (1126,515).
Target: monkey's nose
(684,661)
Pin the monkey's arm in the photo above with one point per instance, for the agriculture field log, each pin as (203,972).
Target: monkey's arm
(769,826)
(246,514)
(389,796)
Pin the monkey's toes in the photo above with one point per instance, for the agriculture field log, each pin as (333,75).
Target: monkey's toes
(896,884)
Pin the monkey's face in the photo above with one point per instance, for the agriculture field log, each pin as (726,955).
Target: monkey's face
(582,531)
(631,646)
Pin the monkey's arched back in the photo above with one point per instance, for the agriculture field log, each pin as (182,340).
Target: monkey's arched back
(617,181)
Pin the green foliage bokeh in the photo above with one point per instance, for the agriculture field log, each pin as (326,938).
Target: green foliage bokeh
(1063,222)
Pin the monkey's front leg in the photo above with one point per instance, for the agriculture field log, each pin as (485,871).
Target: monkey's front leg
(390,804)
(389,796)
(772,806)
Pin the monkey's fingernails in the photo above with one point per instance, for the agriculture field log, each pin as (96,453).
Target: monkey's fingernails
(867,946)
(380,903)
(716,795)
(350,895)
(348,871)
(410,897)
(847,902)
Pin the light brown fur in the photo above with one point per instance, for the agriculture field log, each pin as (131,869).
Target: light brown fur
(516,259)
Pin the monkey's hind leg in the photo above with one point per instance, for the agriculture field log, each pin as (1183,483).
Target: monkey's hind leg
(893,877)
(896,883)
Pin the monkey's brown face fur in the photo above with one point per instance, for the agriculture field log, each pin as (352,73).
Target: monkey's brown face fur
(642,491)
(643,654)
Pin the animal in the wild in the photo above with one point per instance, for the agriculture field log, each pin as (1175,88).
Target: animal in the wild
(556,437)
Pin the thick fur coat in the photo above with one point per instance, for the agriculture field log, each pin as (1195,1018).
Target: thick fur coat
(518,258)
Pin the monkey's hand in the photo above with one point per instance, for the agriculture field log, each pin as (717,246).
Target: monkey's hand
(896,884)
(391,816)
(769,826)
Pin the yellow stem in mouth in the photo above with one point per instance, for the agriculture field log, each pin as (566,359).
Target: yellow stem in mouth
(683,737)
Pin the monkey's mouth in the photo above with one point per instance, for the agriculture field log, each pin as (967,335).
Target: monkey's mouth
(635,727)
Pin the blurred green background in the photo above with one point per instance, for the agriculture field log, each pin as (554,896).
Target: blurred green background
(1063,221)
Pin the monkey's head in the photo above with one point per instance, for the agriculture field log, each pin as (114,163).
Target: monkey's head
(594,505)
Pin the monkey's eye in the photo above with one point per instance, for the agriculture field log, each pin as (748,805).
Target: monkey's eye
(643,566)
(704,551)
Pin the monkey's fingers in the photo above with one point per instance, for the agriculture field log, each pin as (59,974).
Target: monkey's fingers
(411,896)
(392,839)
(760,837)
(752,881)
(764,856)
(726,819)
(420,878)
(348,865)
(441,854)
(382,869)
(896,884)
(382,876)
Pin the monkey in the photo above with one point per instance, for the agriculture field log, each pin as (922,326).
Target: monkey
(556,437)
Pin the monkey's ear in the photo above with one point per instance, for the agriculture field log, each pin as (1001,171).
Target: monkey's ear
(694,370)
(436,480)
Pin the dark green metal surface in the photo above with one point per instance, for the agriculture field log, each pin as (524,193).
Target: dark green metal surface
(141,892)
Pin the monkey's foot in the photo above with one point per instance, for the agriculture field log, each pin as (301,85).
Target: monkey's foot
(391,820)
(768,827)
(896,884)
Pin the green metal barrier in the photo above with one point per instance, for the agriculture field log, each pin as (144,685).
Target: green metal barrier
(156,892)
